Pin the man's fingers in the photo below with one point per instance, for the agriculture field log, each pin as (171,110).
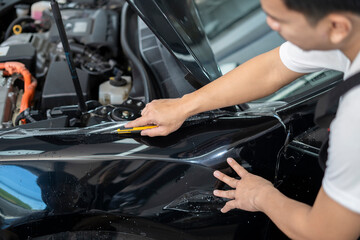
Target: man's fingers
(230,194)
(143,112)
(226,179)
(139,122)
(154,132)
(228,206)
(237,167)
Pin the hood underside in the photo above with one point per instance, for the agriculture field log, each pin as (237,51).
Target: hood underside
(178,26)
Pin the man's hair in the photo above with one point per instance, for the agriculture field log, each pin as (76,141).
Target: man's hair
(317,9)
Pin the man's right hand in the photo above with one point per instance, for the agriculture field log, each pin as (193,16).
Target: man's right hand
(167,114)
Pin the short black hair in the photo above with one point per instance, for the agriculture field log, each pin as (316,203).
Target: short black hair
(317,9)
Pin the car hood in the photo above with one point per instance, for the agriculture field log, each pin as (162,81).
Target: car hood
(177,25)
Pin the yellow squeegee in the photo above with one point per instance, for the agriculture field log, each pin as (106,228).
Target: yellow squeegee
(133,130)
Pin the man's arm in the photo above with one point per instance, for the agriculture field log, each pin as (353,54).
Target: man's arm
(325,220)
(252,80)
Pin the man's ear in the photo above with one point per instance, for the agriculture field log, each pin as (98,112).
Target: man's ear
(340,27)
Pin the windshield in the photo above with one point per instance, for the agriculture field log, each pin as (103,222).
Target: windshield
(219,15)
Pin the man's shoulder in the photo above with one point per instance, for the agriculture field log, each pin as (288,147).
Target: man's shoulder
(299,60)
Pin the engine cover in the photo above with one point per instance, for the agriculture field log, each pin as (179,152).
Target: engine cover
(90,27)
(59,89)
(24,53)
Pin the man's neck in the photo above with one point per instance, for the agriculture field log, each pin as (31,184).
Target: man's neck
(352,51)
(352,46)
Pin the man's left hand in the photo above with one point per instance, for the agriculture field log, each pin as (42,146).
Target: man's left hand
(246,190)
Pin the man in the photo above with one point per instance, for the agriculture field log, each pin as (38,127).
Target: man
(321,34)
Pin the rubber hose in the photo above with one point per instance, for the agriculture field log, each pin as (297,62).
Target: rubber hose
(15,22)
(127,50)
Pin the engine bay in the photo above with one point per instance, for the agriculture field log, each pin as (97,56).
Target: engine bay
(36,87)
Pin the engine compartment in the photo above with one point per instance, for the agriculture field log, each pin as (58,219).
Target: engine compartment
(106,78)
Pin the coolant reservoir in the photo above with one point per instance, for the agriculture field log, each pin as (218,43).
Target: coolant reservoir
(115,91)
(38,8)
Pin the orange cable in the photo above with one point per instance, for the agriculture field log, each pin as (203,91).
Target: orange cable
(29,86)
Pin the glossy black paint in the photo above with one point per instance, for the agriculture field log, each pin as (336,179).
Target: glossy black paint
(89,184)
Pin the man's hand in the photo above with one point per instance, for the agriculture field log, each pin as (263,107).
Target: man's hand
(327,219)
(246,191)
(167,114)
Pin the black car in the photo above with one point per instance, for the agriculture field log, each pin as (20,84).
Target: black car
(69,169)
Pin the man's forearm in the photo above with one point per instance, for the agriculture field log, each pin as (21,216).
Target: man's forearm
(326,219)
(252,80)
(291,216)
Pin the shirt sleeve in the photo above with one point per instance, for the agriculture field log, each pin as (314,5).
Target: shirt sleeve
(342,178)
(298,60)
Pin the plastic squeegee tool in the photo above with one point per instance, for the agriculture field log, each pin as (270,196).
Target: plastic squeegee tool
(123,130)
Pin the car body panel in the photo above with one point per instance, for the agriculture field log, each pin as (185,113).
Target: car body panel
(164,180)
